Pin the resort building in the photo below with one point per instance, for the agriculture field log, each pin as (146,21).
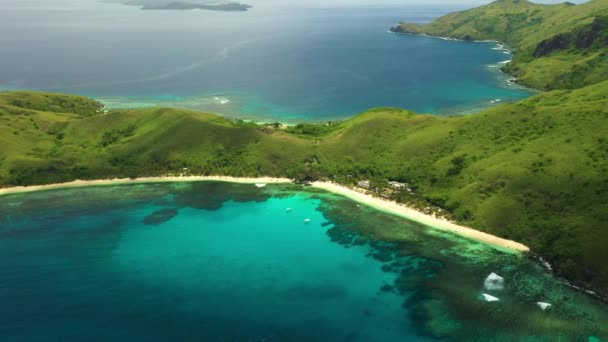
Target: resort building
(365,184)
(397,185)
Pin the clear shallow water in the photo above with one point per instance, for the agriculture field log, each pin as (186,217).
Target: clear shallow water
(223,262)
(280,63)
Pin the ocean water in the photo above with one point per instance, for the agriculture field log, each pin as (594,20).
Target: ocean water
(271,63)
(226,262)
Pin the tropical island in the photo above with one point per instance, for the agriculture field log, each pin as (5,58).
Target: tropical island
(532,171)
(185,5)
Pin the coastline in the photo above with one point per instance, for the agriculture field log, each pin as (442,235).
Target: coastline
(143,180)
(384,205)
(404,211)
(501,46)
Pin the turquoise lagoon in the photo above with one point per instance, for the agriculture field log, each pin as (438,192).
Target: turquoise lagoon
(226,262)
(271,63)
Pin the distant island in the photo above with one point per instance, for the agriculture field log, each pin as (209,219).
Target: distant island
(185,5)
(227,7)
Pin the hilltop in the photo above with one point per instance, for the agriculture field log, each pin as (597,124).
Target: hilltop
(562,46)
(533,171)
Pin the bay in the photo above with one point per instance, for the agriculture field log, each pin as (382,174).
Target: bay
(273,62)
(227,262)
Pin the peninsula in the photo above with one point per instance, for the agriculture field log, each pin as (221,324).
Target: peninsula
(561,46)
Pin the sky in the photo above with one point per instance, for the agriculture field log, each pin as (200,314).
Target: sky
(301,3)
(332,3)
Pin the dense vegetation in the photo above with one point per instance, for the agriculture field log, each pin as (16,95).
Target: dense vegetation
(561,46)
(534,171)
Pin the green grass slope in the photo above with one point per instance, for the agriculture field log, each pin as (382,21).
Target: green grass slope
(562,46)
(38,146)
(534,171)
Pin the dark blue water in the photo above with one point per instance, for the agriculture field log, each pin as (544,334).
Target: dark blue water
(222,262)
(272,62)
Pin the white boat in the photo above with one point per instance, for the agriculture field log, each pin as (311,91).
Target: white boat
(494,282)
(260,185)
(307,221)
(544,306)
(489,298)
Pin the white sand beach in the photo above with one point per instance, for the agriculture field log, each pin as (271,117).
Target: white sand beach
(412,214)
(361,197)
(167,179)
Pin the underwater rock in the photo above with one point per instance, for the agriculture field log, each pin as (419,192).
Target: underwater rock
(383,255)
(359,241)
(340,235)
(494,282)
(544,306)
(387,268)
(489,298)
(435,319)
(387,288)
(212,195)
(160,216)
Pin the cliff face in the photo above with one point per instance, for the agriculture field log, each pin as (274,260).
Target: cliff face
(557,46)
(591,36)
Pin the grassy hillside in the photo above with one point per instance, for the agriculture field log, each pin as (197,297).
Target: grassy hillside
(534,171)
(41,146)
(562,46)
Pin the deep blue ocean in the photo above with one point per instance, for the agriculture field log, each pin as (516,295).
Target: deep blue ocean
(271,63)
(225,262)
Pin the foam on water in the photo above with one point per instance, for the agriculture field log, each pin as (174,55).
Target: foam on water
(221,100)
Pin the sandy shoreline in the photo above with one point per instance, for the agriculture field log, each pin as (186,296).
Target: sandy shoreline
(121,181)
(412,214)
(377,203)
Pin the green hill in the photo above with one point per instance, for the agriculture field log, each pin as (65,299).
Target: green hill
(561,46)
(534,171)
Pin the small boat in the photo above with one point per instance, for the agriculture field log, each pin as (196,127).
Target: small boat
(260,185)
(543,306)
(288,210)
(494,282)
(307,221)
(489,298)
